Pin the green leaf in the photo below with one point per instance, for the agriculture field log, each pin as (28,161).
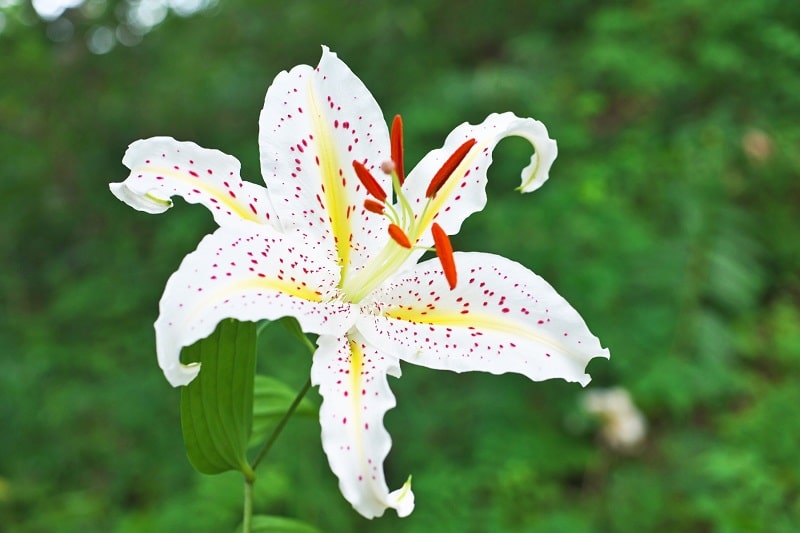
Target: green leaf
(279,524)
(271,401)
(261,325)
(291,325)
(217,407)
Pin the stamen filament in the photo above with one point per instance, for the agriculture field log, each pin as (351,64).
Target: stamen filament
(448,167)
(444,250)
(408,213)
(418,228)
(397,147)
(368,181)
(391,214)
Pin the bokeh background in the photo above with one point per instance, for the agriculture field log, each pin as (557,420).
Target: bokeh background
(670,222)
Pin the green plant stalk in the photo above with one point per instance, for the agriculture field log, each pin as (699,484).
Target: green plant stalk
(248,504)
(277,431)
(249,481)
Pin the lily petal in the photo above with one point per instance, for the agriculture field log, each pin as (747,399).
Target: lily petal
(500,318)
(352,380)
(162,167)
(244,275)
(314,124)
(464,192)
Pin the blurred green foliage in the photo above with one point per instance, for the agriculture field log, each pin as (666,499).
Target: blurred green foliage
(671,222)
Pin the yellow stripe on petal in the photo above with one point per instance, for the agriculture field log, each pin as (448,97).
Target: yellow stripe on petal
(475,321)
(356,365)
(336,201)
(284,287)
(222,196)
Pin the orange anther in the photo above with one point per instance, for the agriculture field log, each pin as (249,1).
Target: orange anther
(397,147)
(399,236)
(373,206)
(448,167)
(444,250)
(368,181)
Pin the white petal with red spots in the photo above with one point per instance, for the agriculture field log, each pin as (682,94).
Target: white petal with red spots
(162,167)
(500,318)
(464,192)
(251,276)
(352,379)
(314,124)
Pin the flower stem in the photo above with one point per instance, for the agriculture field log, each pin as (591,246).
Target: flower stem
(248,505)
(293,327)
(277,431)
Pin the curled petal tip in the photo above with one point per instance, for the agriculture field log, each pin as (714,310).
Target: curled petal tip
(538,171)
(141,201)
(180,375)
(402,499)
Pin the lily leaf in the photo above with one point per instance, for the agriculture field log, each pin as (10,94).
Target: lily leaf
(271,402)
(217,407)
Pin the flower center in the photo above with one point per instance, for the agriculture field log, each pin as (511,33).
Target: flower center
(402,220)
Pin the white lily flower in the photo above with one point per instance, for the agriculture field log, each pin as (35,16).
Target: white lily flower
(324,242)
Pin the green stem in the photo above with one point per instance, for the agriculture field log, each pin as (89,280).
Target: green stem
(248,505)
(277,431)
(249,474)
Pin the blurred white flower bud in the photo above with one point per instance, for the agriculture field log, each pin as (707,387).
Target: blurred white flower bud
(757,145)
(624,426)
